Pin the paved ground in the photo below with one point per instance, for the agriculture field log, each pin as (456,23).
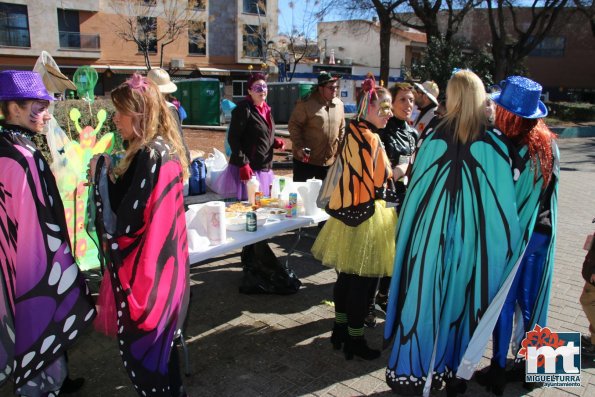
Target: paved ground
(247,345)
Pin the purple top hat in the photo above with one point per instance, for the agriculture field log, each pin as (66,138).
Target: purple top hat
(520,96)
(22,84)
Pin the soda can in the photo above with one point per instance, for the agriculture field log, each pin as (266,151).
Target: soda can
(292,205)
(251,221)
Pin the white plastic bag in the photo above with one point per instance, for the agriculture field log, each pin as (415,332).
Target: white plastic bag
(216,163)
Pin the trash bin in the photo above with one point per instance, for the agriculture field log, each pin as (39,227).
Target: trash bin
(201,99)
(282,98)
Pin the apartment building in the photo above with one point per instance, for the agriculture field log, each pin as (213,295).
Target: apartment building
(562,62)
(222,37)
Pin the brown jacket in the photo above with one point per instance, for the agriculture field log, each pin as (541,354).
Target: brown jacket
(317,126)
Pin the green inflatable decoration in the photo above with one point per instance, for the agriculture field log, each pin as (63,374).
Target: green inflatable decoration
(85,79)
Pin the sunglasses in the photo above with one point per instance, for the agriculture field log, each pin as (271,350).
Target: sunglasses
(258,88)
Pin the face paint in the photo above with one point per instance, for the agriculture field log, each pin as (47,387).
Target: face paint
(38,116)
(37,110)
(258,88)
(384,109)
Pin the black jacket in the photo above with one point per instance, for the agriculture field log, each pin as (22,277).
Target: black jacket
(250,138)
(399,139)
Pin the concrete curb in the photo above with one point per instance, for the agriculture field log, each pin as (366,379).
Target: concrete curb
(586,131)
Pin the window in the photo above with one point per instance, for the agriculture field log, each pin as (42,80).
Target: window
(197,38)
(550,47)
(198,4)
(14,25)
(240,88)
(69,29)
(253,40)
(255,7)
(146,33)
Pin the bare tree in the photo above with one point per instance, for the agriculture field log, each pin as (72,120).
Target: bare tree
(299,43)
(386,13)
(514,37)
(440,20)
(155,22)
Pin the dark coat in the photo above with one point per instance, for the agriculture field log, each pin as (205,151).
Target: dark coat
(250,138)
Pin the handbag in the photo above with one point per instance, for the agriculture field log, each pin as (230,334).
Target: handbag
(332,179)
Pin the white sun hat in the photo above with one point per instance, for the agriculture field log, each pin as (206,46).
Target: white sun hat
(162,79)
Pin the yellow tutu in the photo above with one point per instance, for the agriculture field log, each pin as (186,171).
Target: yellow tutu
(366,250)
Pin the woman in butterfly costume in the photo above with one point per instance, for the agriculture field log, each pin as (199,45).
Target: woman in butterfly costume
(358,238)
(44,302)
(520,116)
(459,240)
(140,213)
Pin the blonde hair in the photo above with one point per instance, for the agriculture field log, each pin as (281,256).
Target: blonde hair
(465,106)
(139,97)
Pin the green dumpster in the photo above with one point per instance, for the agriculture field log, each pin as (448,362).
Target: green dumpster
(201,99)
(282,98)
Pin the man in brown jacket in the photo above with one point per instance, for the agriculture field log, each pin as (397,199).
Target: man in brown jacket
(316,127)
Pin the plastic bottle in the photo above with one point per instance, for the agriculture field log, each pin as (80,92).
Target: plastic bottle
(252,187)
(275,188)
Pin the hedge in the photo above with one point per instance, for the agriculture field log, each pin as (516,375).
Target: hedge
(88,118)
(572,111)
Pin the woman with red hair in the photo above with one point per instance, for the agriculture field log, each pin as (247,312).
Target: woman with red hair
(519,115)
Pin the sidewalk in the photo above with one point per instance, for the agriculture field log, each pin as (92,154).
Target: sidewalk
(269,345)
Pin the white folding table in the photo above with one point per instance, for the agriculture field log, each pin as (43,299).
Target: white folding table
(272,228)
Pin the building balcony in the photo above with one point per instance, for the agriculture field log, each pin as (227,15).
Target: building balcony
(75,41)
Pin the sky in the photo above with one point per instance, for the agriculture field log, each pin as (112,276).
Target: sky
(298,12)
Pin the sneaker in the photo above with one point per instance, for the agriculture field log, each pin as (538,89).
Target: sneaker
(382,302)
(370,320)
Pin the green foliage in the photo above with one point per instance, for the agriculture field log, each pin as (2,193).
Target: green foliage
(442,57)
(438,62)
(88,115)
(572,111)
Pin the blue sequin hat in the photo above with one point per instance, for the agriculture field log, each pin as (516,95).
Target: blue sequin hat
(22,84)
(520,96)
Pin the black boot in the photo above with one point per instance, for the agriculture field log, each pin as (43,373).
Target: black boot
(339,335)
(70,386)
(517,374)
(357,346)
(455,386)
(493,378)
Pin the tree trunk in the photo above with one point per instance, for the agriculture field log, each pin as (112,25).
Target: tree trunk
(500,62)
(385,36)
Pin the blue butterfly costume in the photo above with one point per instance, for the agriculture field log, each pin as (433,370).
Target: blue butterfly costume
(459,240)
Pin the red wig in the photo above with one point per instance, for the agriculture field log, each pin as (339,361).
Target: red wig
(533,133)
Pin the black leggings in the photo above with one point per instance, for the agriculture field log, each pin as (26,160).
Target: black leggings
(351,297)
